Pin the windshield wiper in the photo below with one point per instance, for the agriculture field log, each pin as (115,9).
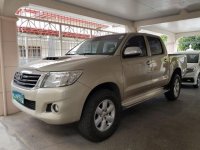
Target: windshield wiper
(88,54)
(70,54)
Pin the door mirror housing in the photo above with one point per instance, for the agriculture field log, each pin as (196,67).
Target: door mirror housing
(132,52)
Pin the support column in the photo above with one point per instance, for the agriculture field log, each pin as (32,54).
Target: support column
(9,62)
(130,27)
(3,111)
(171,44)
(61,40)
(26,46)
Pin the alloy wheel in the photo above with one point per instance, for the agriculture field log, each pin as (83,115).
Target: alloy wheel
(104,115)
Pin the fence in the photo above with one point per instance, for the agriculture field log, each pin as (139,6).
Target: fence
(42,34)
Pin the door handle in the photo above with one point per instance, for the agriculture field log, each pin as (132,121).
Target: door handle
(165,60)
(148,62)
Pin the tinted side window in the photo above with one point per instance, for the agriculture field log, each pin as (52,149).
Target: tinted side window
(155,45)
(138,41)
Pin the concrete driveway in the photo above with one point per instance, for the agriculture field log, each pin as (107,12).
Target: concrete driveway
(153,125)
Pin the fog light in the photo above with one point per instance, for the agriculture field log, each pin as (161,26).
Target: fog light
(54,108)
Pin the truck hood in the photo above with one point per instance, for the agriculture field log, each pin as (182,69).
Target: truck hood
(192,65)
(63,63)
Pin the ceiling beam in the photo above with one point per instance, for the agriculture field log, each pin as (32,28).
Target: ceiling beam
(157,30)
(184,15)
(11,6)
(186,34)
(59,5)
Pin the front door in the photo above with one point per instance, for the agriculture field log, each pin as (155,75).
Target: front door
(137,76)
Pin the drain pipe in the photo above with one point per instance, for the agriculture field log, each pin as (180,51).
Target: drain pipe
(2,71)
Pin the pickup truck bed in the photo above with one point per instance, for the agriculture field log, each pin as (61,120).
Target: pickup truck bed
(182,60)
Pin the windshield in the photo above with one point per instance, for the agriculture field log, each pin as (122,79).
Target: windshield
(192,58)
(104,45)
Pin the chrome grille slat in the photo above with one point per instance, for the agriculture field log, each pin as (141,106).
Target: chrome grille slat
(26,80)
(30,76)
(22,83)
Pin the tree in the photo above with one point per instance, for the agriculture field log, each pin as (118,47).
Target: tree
(164,38)
(184,43)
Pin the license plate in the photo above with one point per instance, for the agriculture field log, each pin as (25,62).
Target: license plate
(18,97)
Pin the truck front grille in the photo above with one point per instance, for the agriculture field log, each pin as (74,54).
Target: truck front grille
(26,80)
(29,104)
(190,70)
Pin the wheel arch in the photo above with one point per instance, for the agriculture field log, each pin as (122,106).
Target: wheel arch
(107,85)
(176,71)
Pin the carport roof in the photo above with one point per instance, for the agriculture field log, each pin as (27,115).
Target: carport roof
(138,9)
(168,17)
(181,26)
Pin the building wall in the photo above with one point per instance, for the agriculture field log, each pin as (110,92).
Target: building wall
(1,90)
(9,61)
(1,84)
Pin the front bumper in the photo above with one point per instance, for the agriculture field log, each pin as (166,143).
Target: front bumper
(70,100)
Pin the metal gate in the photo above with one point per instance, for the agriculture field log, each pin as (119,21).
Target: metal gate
(42,33)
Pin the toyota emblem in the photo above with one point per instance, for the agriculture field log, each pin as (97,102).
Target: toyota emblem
(18,75)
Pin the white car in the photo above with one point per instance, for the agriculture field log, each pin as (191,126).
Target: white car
(192,76)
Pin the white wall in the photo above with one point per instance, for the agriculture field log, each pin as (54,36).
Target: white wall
(9,62)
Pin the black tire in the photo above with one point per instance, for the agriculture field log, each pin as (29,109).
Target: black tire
(198,82)
(87,122)
(171,94)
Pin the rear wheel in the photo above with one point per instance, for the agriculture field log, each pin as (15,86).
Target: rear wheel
(174,88)
(198,82)
(101,116)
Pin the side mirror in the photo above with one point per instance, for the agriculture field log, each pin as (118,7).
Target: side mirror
(132,51)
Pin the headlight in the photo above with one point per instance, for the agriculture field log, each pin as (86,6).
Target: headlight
(191,69)
(59,79)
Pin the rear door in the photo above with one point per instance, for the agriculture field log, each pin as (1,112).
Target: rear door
(137,77)
(159,62)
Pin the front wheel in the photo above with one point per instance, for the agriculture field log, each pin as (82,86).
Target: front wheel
(101,116)
(174,88)
(198,82)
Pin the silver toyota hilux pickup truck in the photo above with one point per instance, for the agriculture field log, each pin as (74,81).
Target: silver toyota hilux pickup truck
(95,80)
